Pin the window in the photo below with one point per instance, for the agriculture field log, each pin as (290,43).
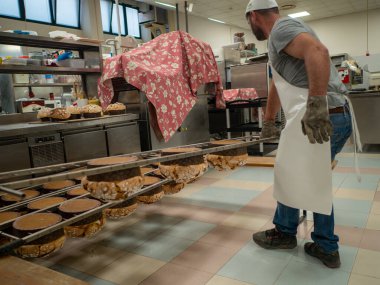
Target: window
(10,8)
(133,22)
(64,13)
(129,19)
(67,12)
(38,10)
(114,26)
(105,8)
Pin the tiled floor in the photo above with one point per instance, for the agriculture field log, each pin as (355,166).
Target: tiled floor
(202,236)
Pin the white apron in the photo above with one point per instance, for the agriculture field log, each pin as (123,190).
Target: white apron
(302,173)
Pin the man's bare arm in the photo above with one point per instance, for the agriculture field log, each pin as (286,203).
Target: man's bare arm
(317,61)
(273,104)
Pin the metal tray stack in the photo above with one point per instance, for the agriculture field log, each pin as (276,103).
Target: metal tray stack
(42,175)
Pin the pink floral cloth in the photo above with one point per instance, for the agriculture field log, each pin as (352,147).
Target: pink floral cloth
(169,69)
(236,94)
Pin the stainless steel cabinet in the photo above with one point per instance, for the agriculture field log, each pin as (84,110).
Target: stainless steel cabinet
(123,139)
(14,156)
(85,144)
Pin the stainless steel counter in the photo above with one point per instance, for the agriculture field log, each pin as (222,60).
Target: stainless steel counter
(367,111)
(33,128)
(26,144)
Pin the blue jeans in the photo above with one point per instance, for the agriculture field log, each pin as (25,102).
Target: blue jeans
(286,218)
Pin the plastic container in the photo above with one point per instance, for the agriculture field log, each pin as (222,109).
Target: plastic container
(35,62)
(15,61)
(72,62)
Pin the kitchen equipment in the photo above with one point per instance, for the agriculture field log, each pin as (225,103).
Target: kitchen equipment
(67,99)
(46,150)
(85,143)
(53,103)
(374,80)
(14,155)
(30,106)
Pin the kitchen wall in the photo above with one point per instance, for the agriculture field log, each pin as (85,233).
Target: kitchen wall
(216,34)
(348,33)
(342,34)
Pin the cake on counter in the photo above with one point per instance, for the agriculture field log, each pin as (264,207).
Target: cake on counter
(60,114)
(92,111)
(75,111)
(44,114)
(116,109)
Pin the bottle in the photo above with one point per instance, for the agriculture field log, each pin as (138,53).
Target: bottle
(49,78)
(51,96)
(31,94)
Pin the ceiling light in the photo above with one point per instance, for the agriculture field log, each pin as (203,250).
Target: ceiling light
(190,8)
(165,4)
(300,14)
(215,20)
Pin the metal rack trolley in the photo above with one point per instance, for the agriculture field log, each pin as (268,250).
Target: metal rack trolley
(70,171)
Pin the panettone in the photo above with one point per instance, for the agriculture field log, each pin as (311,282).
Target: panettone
(154,195)
(228,159)
(75,111)
(116,185)
(122,210)
(44,114)
(183,170)
(57,185)
(42,246)
(45,203)
(92,111)
(87,227)
(10,198)
(60,114)
(116,109)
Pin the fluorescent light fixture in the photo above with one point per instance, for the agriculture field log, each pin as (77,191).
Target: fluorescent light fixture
(190,7)
(215,20)
(300,14)
(165,4)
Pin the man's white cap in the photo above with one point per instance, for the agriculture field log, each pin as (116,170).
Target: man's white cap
(254,5)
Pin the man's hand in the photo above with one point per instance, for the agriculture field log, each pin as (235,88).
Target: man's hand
(269,130)
(316,123)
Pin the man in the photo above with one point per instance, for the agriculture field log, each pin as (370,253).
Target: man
(308,87)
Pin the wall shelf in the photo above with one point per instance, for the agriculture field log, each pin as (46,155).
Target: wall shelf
(21,69)
(42,85)
(46,42)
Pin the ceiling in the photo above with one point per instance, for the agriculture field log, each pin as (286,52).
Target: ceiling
(232,11)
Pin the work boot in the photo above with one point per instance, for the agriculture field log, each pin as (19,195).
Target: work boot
(331,260)
(273,239)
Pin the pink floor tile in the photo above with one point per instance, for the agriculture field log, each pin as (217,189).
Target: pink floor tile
(350,236)
(186,211)
(206,181)
(370,240)
(230,237)
(263,204)
(340,169)
(176,274)
(205,257)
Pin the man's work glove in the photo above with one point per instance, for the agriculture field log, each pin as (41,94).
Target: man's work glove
(316,123)
(269,130)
